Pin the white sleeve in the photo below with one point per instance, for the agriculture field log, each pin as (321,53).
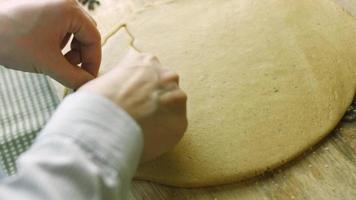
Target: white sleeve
(90,149)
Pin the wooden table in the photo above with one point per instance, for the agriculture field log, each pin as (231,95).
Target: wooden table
(328,171)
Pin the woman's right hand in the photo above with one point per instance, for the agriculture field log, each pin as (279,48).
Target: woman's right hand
(151,95)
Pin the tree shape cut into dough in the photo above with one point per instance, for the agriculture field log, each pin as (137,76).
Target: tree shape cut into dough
(117,29)
(265,80)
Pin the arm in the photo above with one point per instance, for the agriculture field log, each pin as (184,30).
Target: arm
(90,148)
(92,145)
(84,152)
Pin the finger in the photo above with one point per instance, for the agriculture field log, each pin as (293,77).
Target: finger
(75,44)
(134,58)
(150,60)
(73,57)
(69,75)
(169,86)
(88,37)
(175,100)
(88,15)
(168,75)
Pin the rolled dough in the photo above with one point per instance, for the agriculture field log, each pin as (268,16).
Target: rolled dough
(266,80)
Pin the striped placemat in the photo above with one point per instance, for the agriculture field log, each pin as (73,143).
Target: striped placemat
(26,103)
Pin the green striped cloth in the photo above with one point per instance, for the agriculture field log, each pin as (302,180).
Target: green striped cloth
(26,103)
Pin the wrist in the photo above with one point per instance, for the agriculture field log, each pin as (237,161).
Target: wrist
(98,125)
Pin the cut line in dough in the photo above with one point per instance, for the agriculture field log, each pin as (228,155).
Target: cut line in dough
(117,29)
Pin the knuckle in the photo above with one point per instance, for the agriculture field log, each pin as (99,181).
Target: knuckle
(152,58)
(69,6)
(168,75)
(149,58)
(94,21)
(97,37)
(184,126)
(179,97)
(183,96)
(175,76)
(71,2)
(172,73)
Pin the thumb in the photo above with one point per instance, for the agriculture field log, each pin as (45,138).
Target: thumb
(69,75)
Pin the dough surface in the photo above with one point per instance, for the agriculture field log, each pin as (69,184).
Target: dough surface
(266,80)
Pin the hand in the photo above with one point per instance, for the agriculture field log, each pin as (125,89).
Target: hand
(33,34)
(151,95)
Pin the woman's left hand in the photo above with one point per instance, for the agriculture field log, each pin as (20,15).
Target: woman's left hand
(33,34)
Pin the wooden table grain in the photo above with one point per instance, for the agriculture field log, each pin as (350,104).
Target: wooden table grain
(327,171)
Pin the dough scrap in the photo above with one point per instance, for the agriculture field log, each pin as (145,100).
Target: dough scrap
(266,80)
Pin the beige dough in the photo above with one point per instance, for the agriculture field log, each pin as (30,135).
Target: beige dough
(266,80)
